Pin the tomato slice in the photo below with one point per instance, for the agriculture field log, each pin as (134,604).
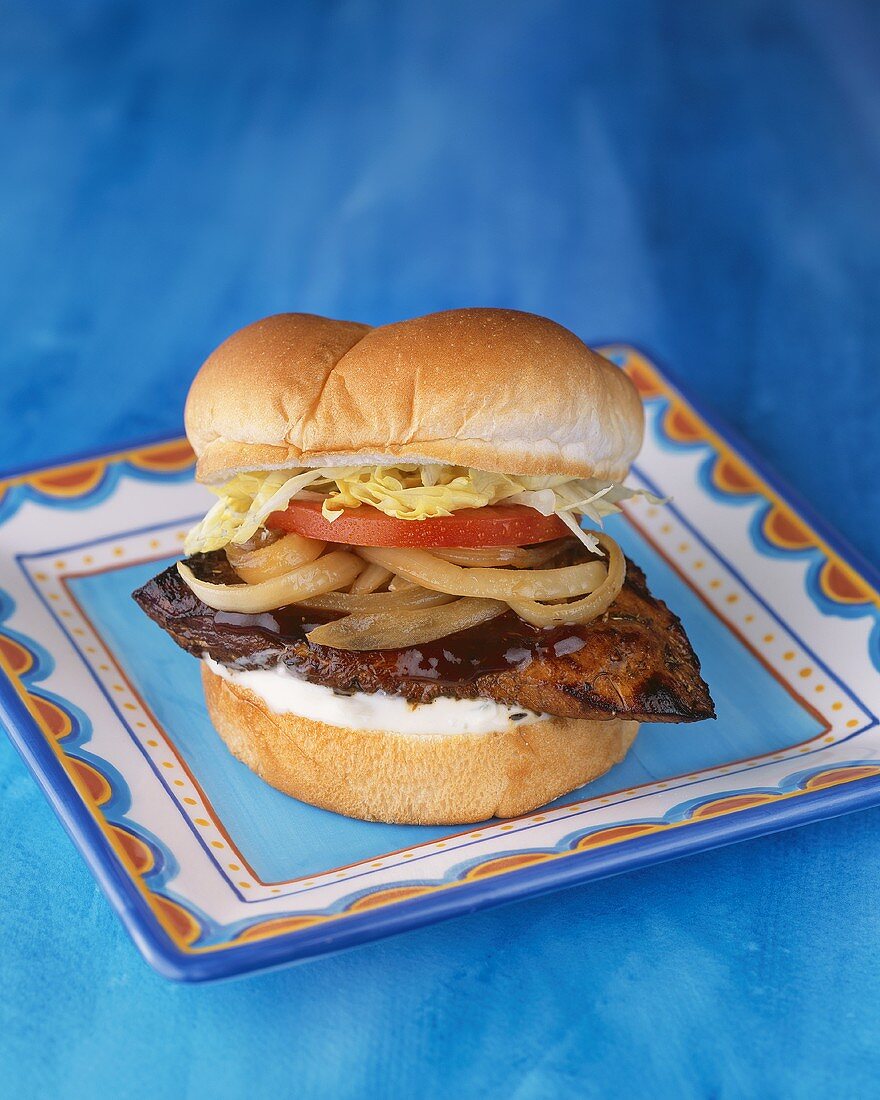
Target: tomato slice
(495,525)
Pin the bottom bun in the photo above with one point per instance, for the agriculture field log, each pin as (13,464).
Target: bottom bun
(409,779)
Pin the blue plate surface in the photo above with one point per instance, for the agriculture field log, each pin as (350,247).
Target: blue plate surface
(215,873)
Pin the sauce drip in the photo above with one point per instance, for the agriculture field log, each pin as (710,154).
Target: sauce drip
(501,644)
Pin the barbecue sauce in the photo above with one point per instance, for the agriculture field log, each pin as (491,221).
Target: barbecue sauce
(635,660)
(495,646)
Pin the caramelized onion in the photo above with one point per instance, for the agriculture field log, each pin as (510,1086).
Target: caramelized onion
(373,577)
(517,556)
(352,602)
(586,609)
(327,573)
(403,597)
(273,559)
(398,584)
(501,584)
(395,630)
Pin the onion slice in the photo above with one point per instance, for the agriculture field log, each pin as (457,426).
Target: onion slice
(518,557)
(501,584)
(400,629)
(266,562)
(327,573)
(355,603)
(398,584)
(587,609)
(373,577)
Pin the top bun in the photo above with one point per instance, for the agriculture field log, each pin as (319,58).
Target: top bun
(493,389)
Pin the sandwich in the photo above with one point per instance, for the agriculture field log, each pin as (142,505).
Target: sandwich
(404,603)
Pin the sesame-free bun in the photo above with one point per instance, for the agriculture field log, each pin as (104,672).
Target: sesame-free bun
(375,775)
(489,388)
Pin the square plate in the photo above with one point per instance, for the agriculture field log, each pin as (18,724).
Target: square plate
(214,873)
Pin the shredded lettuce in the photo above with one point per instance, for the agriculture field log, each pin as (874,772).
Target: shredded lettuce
(407,492)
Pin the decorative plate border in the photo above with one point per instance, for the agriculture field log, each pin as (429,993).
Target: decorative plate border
(135,869)
(50,571)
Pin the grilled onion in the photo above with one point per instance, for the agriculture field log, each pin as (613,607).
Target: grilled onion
(399,629)
(517,556)
(500,584)
(352,602)
(398,584)
(372,578)
(586,609)
(426,594)
(274,559)
(327,573)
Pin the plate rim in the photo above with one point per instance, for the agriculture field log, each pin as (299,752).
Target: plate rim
(241,957)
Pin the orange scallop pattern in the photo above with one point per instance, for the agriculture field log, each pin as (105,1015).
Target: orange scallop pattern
(57,722)
(729,474)
(80,478)
(842,585)
(502,864)
(616,834)
(96,786)
(387,897)
(16,656)
(733,476)
(680,425)
(165,457)
(136,853)
(837,776)
(643,378)
(786,531)
(180,924)
(731,804)
(268,928)
(70,481)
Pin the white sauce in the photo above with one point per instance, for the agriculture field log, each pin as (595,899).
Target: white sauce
(285,693)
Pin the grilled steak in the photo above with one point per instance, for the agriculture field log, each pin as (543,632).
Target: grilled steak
(635,661)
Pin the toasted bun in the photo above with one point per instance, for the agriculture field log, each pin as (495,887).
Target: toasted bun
(412,780)
(489,388)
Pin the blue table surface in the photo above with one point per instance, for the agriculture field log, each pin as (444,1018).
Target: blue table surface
(700,178)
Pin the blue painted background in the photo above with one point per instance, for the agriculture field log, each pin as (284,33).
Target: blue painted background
(701,178)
